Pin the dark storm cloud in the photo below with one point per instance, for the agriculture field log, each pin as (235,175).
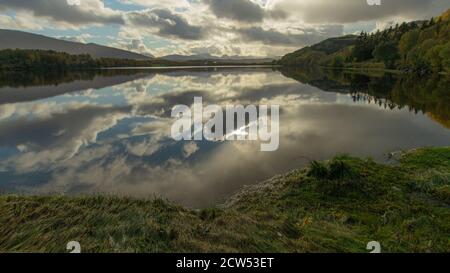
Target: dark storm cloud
(167,23)
(274,37)
(59,10)
(242,10)
(239,10)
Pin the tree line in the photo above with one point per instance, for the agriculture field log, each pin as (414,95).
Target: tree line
(19,59)
(420,46)
(48,60)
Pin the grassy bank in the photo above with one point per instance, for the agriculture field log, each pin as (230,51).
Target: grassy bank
(334,206)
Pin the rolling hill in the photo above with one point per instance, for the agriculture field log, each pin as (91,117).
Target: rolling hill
(313,54)
(420,46)
(13,39)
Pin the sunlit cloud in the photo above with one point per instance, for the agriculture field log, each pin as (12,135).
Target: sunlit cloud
(233,27)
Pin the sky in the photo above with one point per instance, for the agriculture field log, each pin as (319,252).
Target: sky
(260,28)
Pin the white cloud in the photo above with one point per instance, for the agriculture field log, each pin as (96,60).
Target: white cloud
(22,21)
(189,149)
(159,3)
(58,11)
(225,27)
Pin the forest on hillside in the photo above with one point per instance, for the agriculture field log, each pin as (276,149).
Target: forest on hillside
(19,59)
(421,46)
(27,59)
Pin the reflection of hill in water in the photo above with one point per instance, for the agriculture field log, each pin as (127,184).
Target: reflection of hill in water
(429,95)
(23,87)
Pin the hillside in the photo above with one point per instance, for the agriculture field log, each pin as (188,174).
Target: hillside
(421,46)
(315,53)
(334,206)
(12,39)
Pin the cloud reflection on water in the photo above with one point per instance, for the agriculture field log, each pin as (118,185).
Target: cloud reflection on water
(117,139)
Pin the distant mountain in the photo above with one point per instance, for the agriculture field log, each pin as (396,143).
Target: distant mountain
(223,59)
(182,58)
(13,39)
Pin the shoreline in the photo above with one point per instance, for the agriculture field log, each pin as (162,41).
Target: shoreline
(38,70)
(278,66)
(374,69)
(368,69)
(187,67)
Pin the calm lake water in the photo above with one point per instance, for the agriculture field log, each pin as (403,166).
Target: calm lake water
(109,131)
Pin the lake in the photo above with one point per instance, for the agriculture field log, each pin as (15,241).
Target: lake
(108,131)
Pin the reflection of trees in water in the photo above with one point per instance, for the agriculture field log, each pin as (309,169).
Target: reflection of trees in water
(429,95)
(28,79)
(54,77)
(24,87)
(381,102)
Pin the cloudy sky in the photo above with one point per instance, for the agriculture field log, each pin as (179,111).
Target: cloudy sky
(217,27)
